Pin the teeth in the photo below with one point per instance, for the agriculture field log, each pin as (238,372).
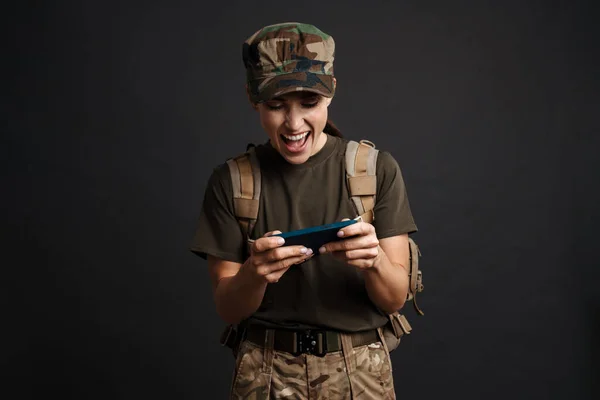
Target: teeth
(296,137)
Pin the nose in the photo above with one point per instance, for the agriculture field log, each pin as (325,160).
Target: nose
(294,119)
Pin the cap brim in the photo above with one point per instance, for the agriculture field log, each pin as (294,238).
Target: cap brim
(295,82)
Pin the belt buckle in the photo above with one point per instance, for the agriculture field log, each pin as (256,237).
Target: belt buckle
(310,342)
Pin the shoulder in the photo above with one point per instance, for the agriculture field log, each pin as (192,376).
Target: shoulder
(221,176)
(389,175)
(386,162)
(222,172)
(219,182)
(387,170)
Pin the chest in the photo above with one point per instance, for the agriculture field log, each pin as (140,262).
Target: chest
(299,199)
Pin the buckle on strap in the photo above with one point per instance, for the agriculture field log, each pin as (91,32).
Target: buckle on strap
(400,325)
(310,342)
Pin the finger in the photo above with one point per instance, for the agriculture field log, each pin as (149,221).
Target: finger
(360,263)
(272,233)
(276,276)
(305,259)
(283,253)
(266,262)
(357,229)
(281,265)
(358,254)
(357,242)
(267,243)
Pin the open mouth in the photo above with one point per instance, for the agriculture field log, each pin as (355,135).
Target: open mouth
(295,143)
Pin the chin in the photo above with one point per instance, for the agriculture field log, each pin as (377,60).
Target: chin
(298,157)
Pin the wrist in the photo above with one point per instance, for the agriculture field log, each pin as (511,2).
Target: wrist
(248,277)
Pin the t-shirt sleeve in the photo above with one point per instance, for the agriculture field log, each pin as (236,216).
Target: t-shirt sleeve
(392,210)
(218,232)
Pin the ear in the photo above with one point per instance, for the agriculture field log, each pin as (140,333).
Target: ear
(253,104)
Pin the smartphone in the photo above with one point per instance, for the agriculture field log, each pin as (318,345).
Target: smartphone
(316,236)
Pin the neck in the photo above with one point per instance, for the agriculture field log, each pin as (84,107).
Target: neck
(320,143)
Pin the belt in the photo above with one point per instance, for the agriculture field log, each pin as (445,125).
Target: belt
(316,342)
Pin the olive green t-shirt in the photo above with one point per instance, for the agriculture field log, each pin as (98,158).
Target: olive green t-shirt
(322,292)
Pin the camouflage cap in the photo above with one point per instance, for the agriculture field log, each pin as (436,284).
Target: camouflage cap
(288,57)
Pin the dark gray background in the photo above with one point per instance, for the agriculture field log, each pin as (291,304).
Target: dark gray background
(117,113)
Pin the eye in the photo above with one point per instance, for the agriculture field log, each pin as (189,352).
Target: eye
(274,106)
(310,104)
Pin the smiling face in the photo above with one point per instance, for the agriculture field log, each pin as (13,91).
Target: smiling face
(294,123)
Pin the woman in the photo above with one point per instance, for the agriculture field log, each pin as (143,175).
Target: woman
(310,321)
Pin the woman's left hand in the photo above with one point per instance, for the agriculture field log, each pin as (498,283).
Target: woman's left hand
(359,246)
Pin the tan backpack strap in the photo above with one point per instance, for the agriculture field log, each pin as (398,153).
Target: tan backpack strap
(361,167)
(246,185)
(416,276)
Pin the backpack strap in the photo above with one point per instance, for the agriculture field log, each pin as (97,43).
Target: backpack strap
(246,185)
(361,167)
(415,274)
(361,170)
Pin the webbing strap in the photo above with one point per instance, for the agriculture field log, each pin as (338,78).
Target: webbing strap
(235,178)
(246,186)
(361,166)
(348,352)
(257,187)
(363,185)
(267,367)
(416,283)
(245,208)
(246,180)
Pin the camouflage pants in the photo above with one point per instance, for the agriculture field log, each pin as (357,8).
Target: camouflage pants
(263,373)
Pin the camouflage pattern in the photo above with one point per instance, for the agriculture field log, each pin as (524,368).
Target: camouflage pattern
(288,57)
(312,377)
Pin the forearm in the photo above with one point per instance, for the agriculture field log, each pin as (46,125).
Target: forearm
(238,296)
(387,284)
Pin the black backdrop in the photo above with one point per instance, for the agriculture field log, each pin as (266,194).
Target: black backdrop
(117,113)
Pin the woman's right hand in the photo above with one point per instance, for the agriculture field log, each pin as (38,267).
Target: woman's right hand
(269,259)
